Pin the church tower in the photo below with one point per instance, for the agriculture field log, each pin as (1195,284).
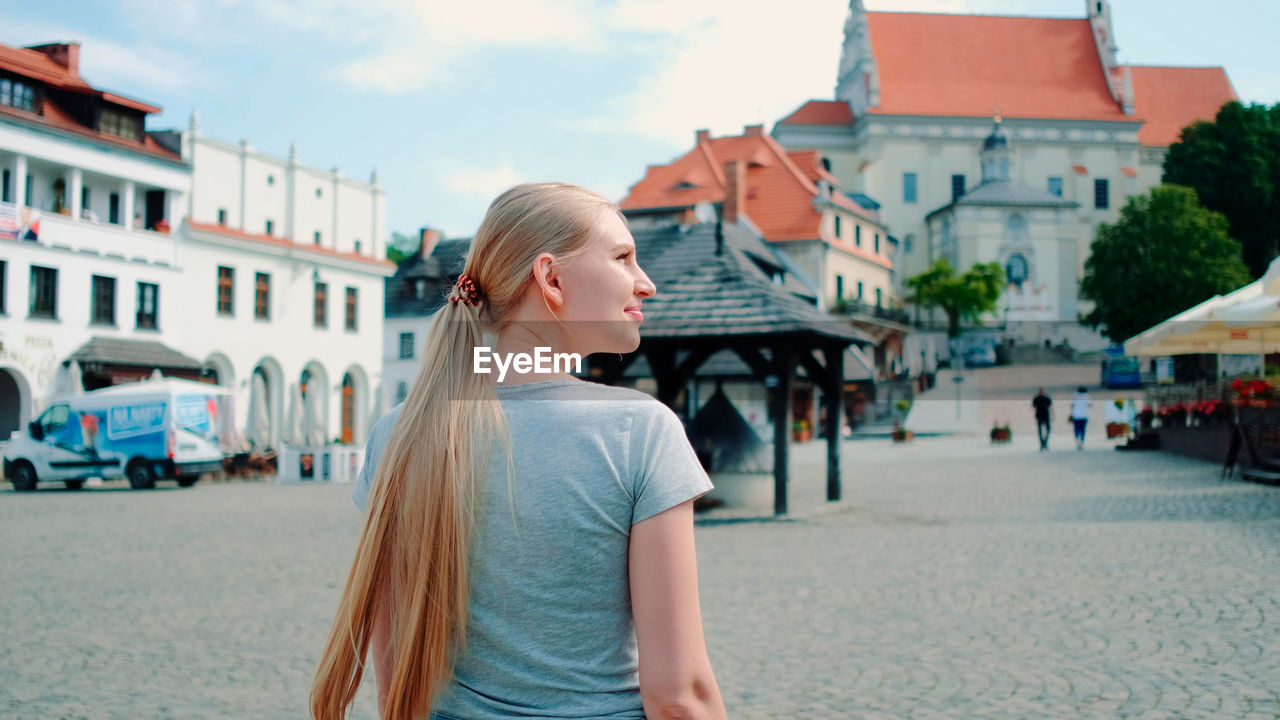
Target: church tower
(997,154)
(858,80)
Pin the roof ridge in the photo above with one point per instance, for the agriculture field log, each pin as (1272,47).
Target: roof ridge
(789,164)
(713,161)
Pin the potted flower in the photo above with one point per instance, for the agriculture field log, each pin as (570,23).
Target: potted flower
(1146,418)
(800,430)
(1001,434)
(900,434)
(162,226)
(1252,392)
(1173,415)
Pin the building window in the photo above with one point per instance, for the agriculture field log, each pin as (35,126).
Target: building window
(839,288)
(322,305)
(402,391)
(857,235)
(4,267)
(859,289)
(877,249)
(4,186)
(44,293)
(351,308)
(226,288)
(17,94)
(271,227)
(319,192)
(125,125)
(878,291)
(1055,186)
(113,209)
(1101,194)
(222,216)
(262,296)
(103,311)
(357,247)
(148,306)
(317,237)
(908,187)
(271,180)
(84,198)
(837,218)
(957,187)
(406,346)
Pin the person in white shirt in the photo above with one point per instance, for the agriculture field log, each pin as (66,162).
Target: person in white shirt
(1080,414)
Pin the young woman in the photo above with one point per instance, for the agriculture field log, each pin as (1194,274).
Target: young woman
(528,545)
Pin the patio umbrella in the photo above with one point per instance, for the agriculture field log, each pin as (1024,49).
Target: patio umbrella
(314,426)
(257,430)
(293,427)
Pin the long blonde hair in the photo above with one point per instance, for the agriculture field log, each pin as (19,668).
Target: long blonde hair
(412,557)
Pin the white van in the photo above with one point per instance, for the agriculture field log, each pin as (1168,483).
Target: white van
(143,431)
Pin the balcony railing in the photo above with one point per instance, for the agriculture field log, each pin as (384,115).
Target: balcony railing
(55,230)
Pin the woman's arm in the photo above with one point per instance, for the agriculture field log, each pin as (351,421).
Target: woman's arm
(383,656)
(676,680)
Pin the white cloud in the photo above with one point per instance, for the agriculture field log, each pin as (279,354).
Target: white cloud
(482,181)
(731,64)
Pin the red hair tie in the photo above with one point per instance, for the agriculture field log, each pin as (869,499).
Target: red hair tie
(466,291)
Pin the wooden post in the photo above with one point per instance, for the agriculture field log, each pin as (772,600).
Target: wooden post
(784,364)
(833,385)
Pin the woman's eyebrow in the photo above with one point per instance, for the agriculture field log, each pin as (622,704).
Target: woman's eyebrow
(623,246)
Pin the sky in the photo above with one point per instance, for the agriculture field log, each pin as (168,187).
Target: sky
(454,101)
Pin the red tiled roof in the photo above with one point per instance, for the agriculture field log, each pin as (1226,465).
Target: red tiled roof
(820,112)
(41,68)
(962,65)
(285,242)
(1170,98)
(780,192)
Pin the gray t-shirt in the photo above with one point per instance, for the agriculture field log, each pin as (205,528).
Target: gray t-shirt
(549,630)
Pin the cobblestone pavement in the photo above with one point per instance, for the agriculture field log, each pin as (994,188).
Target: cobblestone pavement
(958,580)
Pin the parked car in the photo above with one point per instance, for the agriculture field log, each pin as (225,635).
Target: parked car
(142,431)
(980,356)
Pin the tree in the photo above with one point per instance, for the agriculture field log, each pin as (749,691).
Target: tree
(967,297)
(1164,255)
(400,247)
(1233,164)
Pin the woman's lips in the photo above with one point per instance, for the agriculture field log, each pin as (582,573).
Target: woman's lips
(635,313)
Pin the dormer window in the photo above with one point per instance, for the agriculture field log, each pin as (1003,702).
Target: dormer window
(684,185)
(114,122)
(17,94)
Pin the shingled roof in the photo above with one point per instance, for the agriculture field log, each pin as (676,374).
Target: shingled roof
(437,271)
(134,353)
(723,280)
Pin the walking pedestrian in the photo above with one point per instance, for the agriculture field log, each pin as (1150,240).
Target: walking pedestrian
(1043,406)
(528,545)
(1080,414)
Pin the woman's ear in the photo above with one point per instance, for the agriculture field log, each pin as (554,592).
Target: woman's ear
(547,275)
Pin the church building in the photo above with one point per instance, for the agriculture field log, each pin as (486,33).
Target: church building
(1077,133)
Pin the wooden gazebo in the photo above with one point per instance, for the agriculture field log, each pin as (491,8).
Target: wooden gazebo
(721,287)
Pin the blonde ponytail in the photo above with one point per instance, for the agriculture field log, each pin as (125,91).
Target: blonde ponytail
(411,561)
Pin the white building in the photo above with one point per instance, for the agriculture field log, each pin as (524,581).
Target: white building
(915,94)
(88,201)
(237,263)
(284,267)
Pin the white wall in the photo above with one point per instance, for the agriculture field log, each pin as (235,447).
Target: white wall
(299,200)
(288,341)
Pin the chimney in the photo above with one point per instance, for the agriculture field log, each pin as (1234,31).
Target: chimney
(701,136)
(65,54)
(752,130)
(428,239)
(735,190)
